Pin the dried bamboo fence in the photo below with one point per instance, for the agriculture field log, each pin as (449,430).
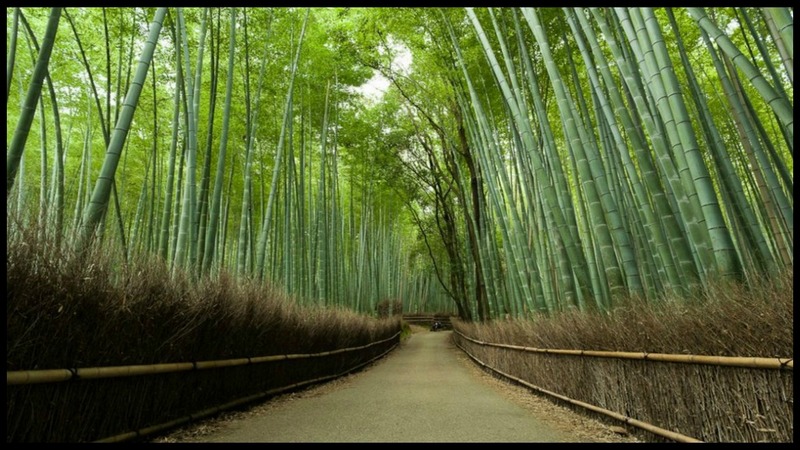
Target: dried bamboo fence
(181,392)
(694,398)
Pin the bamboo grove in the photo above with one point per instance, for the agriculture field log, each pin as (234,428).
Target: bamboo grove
(528,160)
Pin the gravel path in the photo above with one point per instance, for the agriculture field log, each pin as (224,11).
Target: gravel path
(425,391)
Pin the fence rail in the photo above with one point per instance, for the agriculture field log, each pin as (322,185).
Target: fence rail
(426,319)
(732,361)
(57,375)
(127,436)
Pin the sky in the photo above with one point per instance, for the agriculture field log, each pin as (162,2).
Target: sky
(376,86)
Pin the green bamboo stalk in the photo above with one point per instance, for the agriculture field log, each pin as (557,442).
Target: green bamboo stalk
(525,265)
(537,301)
(777,39)
(17,146)
(183,252)
(784,23)
(84,181)
(168,196)
(214,213)
(134,244)
(151,213)
(12,51)
(246,205)
(776,102)
(655,233)
(726,258)
(561,238)
(765,56)
(108,65)
(674,153)
(594,183)
(663,134)
(742,211)
(102,190)
(262,240)
(671,218)
(58,179)
(194,219)
(104,125)
(206,177)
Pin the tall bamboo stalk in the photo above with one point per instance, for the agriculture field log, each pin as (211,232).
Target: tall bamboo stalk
(102,190)
(17,146)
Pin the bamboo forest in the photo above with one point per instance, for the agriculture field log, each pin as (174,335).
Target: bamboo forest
(512,160)
(186,186)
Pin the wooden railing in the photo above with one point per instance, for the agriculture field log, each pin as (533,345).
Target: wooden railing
(427,319)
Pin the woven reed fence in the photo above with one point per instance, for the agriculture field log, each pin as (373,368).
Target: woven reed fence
(113,404)
(685,398)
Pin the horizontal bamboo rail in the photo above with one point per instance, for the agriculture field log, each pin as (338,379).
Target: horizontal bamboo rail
(232,404)
(732,361)
(677,437)
(425,318)
(58,375)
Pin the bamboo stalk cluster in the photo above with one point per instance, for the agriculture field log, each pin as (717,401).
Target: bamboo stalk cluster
(609,175)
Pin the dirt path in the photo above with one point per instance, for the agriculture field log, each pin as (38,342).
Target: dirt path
(424,391)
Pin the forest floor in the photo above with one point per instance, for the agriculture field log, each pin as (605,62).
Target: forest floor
(427,390)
